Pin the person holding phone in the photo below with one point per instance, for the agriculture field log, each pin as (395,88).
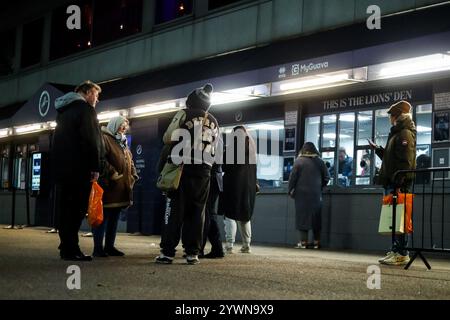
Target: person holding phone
(398,154)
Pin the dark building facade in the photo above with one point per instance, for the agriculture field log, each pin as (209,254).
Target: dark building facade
(331,87)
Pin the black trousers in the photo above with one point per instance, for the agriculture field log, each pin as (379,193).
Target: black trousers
(185,214)
(71,207)
(211,229)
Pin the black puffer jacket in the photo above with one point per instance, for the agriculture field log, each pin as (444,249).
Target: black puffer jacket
(399,154)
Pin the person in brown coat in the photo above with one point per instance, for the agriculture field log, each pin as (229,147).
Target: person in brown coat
(117,181)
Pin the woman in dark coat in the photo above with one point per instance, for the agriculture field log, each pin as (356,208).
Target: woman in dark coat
(306,181)
(117,181)
(239,190)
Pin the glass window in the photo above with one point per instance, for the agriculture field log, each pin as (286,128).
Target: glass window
(346,146)
(364,166)
(115,19)
(382,129)
(4,163)
(32,43)
(423,146)
(7,51)
(423,126)
(364,127)
(328,158)
(312,125)
(214,4)
(167,10)
(269,138)
(329,131)
(20,167)
(64,41)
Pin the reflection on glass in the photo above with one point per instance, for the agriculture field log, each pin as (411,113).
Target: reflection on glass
(269,138)
(364,168)
(329,131)
(382,129)
(4,166)
(364,127)
(312,125)
(423,125)
(346,145)
(5,173)
(328,158)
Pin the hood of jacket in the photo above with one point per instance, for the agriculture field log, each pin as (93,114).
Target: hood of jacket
(106,131)
(404,122)
(65,100)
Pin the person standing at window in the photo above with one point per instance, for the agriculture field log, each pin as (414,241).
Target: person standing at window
(306,181)
(398,154)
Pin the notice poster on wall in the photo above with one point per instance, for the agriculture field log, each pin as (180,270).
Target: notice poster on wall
(290,135)
(441,126)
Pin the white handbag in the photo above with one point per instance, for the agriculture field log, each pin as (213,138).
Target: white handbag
(385,226)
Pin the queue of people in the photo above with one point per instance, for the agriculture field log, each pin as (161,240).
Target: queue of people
(84,153)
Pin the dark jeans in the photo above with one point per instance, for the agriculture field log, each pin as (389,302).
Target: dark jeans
(108,226)
(401,240)
(71,208)
(304,235)
(185,214)
(211,229)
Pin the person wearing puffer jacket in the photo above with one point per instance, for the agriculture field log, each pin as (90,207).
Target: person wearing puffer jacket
(117,181)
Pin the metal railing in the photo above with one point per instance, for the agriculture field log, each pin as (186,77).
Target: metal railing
(431,190)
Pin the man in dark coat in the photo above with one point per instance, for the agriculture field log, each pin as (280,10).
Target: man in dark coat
(185,207)
(76,154)
(239,187)
(399,154)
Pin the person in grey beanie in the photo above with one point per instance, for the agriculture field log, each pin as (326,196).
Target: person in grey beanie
(185,208)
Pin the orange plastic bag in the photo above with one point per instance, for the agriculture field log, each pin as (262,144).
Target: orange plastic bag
(407,200)
(95,208)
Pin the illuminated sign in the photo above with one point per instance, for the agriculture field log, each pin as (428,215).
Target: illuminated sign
(36,173)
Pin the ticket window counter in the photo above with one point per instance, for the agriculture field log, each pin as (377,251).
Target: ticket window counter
(349,131)
(4,166)
(23,166)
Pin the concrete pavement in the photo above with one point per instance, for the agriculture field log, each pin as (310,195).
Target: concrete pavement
(30,268)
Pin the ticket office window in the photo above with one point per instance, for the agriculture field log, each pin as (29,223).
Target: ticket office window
(4,166)
(364,155)
(23,165)
(353,129)
(269,137)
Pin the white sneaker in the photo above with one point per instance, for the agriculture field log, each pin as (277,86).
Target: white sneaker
(387,256)
(396,260)
(162,259)
(229,248)
(192,259)
(246,249)
(300,246)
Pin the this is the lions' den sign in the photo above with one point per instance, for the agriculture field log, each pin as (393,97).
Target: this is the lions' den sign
(384,98)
